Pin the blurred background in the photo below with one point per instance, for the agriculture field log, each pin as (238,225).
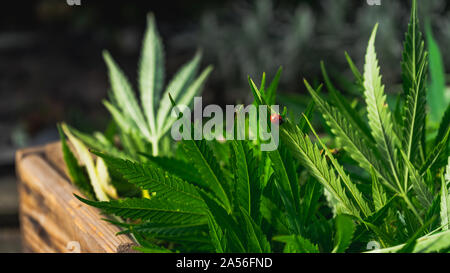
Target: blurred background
(51,67)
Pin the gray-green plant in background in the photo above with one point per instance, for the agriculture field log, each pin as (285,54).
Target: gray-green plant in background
(244,38)
(151,120)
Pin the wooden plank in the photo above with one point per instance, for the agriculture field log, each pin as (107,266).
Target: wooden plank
(52,219)
(53,154)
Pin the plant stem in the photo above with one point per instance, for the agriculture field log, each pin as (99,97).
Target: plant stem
(155,150)
(145,193)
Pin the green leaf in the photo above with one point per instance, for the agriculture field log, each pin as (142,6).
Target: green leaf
(127,141)
(76,172)
(148,247)
(187,96)
(308,113)
(202,158)
(345,109)
(125,96)
(350,139)
(419,186)
(174,232)
(444,125)
(270,93)
(177,167)
(375,223)
(378,114)
(124,124)
(235,237)
(287,185)
(355,71)
(177,85)
(310,201)
(413,52)
(241,176)
(216,235)
(297,244)
(164,186)
(426,244)
(310,156)
(436,153)
(93,143)
(256,93)
(414,74)
(276,218)
(87,161)
(378,194)
(345,228)
(152,249)
(256,240)
(247,183)
(354,192)
(445,198)
(436,89)
(154,209)
(408,247)
(151,72)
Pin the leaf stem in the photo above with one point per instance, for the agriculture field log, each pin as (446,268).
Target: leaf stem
(146,193)
(155,149)
(411,206)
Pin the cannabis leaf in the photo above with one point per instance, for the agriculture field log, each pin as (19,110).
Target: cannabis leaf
(149,177)
(354,192)
(309,154)
(297,244)
(96,170)
(202,158)
(155,209)
(149,123)
(378,112)
(414,74)
(248,186)
(436,88)
(350,138)
(76,172)
(151,71)
(344,232)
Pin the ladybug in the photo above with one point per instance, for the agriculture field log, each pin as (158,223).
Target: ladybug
(276,118)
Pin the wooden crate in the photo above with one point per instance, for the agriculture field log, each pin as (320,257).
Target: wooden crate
(51,218)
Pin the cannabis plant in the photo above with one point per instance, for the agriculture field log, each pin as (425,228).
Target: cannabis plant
(147,122)
(199,203)
(384,183)
(405,194)
(140,127)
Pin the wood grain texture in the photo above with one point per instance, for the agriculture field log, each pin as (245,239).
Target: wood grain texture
(52,219)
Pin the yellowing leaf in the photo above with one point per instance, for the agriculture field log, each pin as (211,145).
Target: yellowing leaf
(87,161)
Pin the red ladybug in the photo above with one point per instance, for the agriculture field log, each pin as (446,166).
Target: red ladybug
(276,118)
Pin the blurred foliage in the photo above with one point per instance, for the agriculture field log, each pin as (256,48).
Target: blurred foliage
(238,37)
(256,36)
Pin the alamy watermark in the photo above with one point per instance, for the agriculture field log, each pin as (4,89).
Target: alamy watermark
(73,247)
(73,2)
(374,2)
(239,122)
